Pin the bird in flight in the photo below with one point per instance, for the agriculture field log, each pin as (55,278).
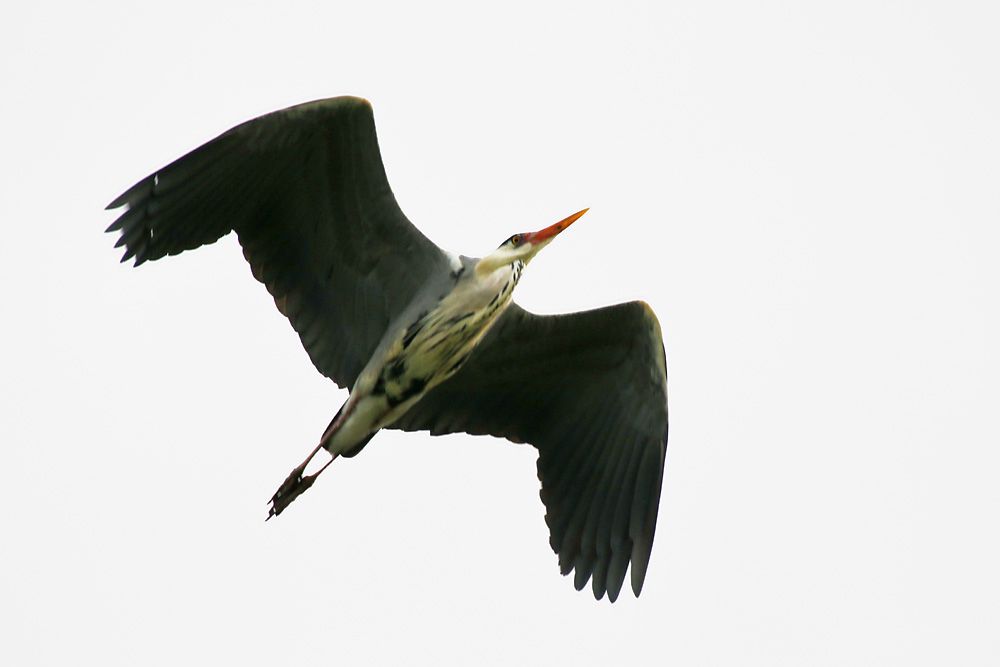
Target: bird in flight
(426,340)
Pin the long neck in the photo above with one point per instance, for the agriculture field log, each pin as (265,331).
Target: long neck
(500,259)
(490,290)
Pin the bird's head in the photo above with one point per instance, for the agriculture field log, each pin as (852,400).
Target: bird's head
(525,245)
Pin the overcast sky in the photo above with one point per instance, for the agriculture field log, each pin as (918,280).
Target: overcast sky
(805,193)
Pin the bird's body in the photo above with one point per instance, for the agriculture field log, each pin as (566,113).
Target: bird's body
(425,349)
(425,339)
(434,345)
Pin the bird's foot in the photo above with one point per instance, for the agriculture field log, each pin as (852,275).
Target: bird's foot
(294,486)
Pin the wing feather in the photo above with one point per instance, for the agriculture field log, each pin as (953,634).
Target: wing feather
(306,192)
(589,390)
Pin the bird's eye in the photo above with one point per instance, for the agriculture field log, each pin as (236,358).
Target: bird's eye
(515,240)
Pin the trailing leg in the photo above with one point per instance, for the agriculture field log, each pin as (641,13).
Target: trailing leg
(295,484)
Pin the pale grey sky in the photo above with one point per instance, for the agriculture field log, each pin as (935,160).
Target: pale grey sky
(806,194)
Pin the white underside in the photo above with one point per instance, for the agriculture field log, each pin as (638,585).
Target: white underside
(433,351)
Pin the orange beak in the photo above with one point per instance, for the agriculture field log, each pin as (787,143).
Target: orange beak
(549,232)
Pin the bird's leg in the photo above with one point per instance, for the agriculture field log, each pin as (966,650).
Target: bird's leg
(295,484)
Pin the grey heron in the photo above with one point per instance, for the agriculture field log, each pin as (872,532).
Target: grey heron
(426,340)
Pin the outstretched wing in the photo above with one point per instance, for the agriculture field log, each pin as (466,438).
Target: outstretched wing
(305,190)
(589,390)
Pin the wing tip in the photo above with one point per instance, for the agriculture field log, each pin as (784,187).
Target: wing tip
(640,562)
(124,197)
(118,202)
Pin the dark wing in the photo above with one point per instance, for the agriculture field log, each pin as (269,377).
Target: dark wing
(589,390)
(305,190)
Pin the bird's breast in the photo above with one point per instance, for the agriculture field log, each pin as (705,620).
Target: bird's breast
(436,344)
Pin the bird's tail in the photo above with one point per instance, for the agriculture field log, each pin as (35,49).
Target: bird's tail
(332,429)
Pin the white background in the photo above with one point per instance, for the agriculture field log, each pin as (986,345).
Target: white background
(806,194)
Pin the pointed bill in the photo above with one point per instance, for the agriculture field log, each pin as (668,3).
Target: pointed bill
(551,231)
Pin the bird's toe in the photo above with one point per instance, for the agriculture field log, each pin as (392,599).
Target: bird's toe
(293,486)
